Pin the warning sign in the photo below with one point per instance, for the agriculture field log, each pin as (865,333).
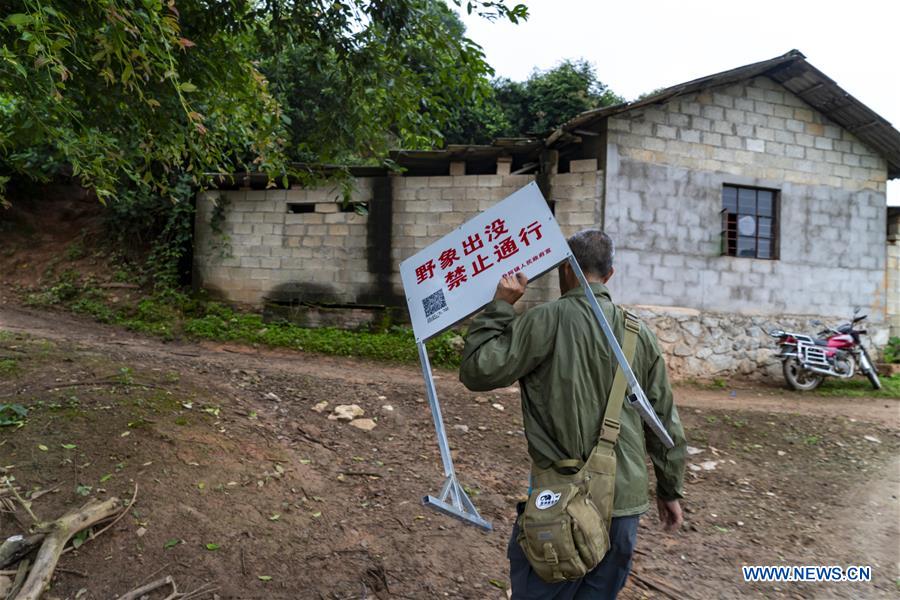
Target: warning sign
(457,275)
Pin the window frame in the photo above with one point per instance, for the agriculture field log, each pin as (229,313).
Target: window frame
(730,234)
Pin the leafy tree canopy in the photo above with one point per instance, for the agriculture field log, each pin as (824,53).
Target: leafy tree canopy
(544,101)
(135,93)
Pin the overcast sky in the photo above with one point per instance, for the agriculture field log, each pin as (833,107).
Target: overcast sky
(640,45)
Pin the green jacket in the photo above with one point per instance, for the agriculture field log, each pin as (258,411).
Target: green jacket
(565,370)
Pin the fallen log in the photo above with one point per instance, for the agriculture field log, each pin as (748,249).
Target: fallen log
(58,533)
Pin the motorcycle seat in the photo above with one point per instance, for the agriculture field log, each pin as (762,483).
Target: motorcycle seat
(821,342)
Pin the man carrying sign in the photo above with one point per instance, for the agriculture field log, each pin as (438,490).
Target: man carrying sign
(569,385)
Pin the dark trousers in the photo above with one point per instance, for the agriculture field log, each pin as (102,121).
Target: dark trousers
(603,583)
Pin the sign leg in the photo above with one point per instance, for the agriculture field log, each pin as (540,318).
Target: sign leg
(453,499)
(636,398)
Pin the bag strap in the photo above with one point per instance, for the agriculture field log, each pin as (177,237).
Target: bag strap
(609,430)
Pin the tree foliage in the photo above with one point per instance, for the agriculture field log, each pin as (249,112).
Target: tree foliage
(546,100)
(130,94)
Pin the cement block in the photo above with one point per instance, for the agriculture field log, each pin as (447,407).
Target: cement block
(701,123)
(690,136)
(255,195)
(763,108)
(735,116)
(755,145)
(489,181)
(723,127)
(714,113)
(666,132)
(583,165)
(712,139)
(783,111)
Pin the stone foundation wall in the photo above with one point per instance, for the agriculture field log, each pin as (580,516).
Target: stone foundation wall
(710,345)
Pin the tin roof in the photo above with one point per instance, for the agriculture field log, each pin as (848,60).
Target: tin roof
(796,74)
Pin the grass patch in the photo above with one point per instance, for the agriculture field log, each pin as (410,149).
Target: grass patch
(170,315)
(396,344)
(858,388)
(8,367)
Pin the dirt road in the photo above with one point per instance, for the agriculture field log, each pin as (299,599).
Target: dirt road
(229,454)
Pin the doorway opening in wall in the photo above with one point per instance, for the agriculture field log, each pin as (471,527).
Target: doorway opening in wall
(298,208)
(749,222)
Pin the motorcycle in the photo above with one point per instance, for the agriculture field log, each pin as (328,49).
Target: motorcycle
(835,352)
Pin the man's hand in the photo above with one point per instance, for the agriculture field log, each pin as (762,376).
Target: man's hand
(510,288)
(670,514)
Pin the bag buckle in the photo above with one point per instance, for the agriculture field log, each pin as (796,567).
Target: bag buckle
(550,555)
(610,430)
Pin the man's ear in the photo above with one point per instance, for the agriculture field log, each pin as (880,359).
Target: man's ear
(612,271)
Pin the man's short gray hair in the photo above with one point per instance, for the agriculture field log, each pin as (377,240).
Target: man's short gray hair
(594,251)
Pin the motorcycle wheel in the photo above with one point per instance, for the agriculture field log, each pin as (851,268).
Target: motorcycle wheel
(799,378)
(871,373)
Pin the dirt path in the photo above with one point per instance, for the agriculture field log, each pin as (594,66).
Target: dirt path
(66,327)
(228,452)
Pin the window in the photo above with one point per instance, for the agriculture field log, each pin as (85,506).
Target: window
(749,222)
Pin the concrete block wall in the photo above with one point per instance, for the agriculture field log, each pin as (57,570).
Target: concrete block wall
(262,250)
(665,169)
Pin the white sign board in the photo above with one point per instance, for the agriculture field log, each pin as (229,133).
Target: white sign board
(457,275)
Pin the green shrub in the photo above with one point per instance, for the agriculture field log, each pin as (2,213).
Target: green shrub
(94,308)
(892,350)
(12,415)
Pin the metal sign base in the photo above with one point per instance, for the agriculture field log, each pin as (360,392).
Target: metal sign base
(460,506)
(453,499)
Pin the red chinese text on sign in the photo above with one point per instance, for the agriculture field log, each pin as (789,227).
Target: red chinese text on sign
(479,265)
(447,258)
(495,229)
(425,271)
(506,248)
(456,277)
(532,229)
(472,243)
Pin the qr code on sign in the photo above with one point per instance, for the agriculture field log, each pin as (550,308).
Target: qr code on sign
(435,305)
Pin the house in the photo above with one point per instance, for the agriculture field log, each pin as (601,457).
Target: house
(739,201)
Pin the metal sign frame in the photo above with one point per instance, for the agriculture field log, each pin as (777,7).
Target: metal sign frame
(636,396)
(453,499)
